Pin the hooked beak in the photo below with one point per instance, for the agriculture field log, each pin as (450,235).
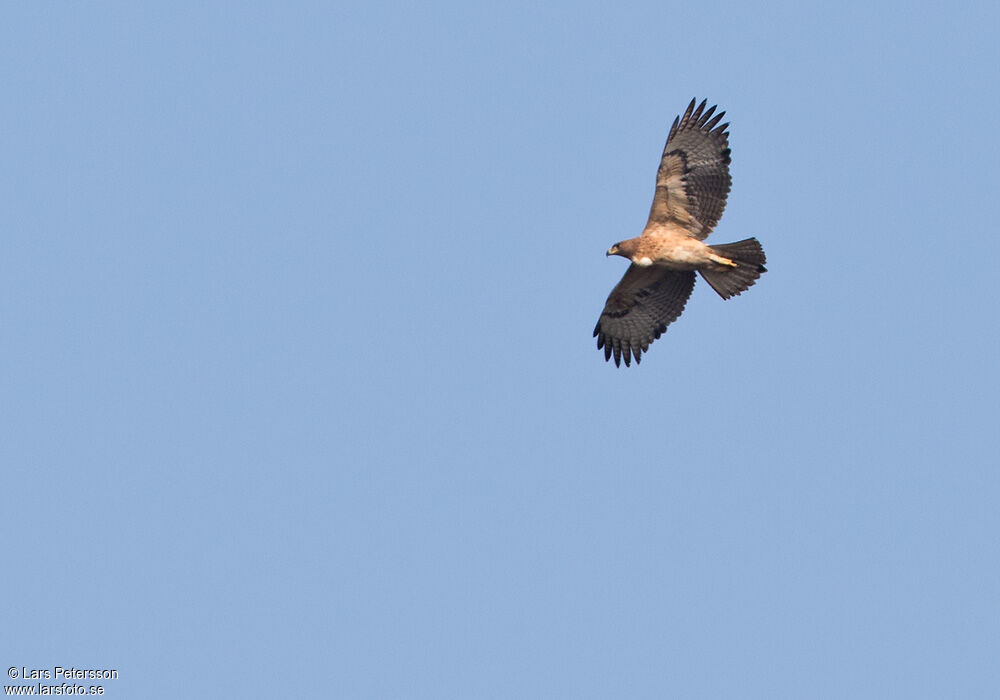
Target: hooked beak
(611,251)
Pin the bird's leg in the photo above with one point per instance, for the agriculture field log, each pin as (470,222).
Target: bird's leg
(721,260)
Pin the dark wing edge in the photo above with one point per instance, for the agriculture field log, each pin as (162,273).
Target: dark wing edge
(639,309)
(693,179)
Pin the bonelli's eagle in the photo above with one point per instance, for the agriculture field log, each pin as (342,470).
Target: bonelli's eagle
(691,188)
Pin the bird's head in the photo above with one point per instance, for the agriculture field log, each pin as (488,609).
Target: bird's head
(623,248)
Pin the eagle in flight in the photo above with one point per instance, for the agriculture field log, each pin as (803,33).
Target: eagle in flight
(691,188)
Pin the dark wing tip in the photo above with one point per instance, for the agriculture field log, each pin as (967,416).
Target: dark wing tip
(709,125)
(673,128)
(697,117)
(621,350)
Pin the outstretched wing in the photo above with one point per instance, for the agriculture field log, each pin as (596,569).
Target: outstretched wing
(639,309)
(693,180)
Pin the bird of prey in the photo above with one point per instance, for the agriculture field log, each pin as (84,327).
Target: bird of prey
(691,188)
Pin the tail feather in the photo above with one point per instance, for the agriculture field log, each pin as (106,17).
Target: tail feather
(731,281)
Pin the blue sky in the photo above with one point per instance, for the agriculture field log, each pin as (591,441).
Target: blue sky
(301,396)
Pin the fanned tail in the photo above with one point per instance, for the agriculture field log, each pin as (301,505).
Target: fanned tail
(731,281)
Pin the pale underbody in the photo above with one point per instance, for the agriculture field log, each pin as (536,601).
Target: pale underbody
(675,250)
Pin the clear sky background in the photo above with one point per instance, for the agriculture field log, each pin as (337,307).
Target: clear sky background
(300,397)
